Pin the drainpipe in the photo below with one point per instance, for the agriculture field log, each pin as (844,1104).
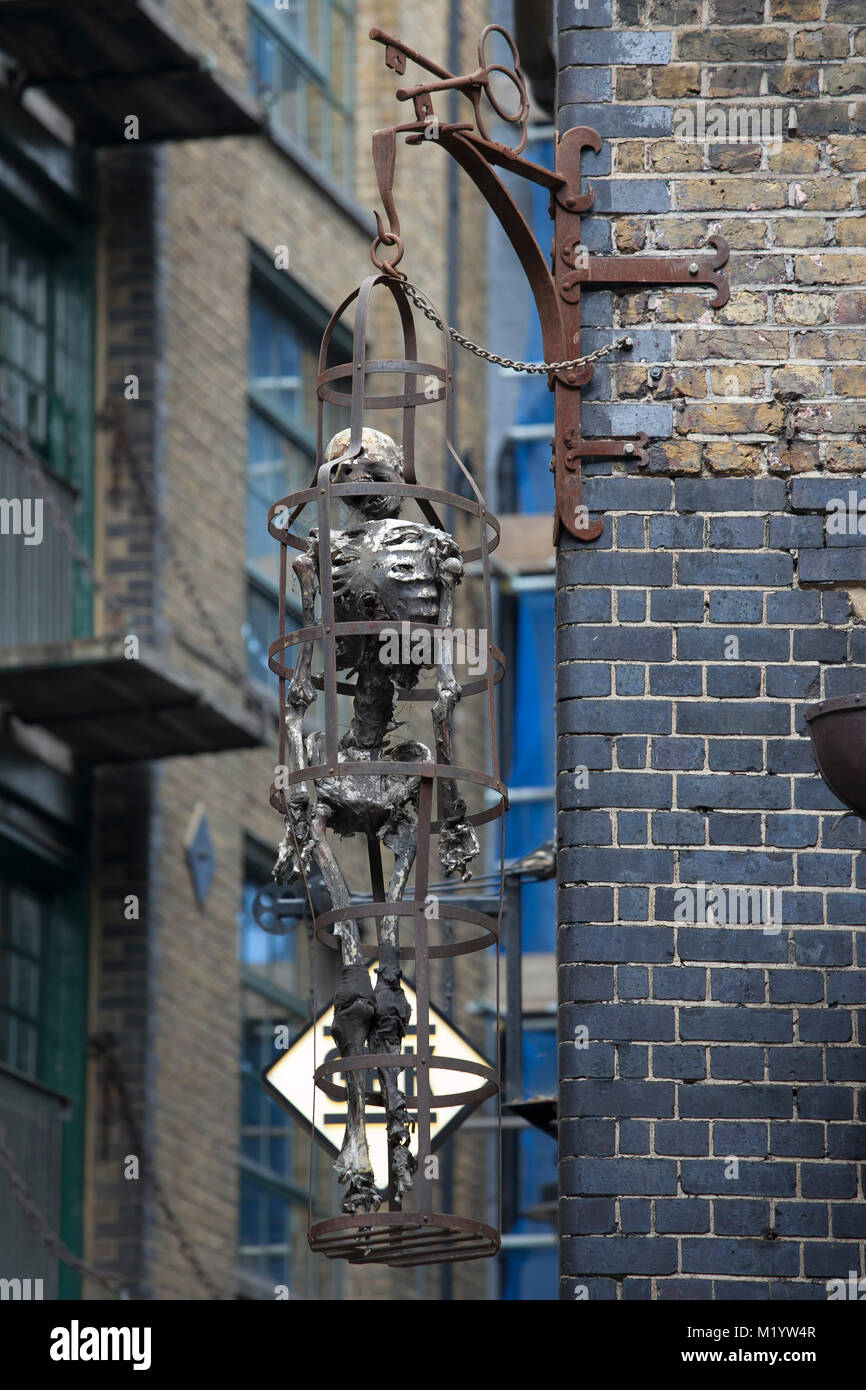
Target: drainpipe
(533,33)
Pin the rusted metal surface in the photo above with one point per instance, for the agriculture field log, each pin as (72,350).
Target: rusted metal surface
(359,469)
(555,287)
(611,271)
(838,732)
(355,779)
(473,85)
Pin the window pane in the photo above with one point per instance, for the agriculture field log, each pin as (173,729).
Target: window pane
(302,57)
(20,1048)
(340,72)
(283,359)
(317,124)
(25,921)
(22,943)
(260,629)
(24,356)
(24,986)
(276,467)
(340,150)
(263,949)
(289,91)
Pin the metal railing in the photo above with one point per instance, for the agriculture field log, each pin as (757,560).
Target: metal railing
(31,1116)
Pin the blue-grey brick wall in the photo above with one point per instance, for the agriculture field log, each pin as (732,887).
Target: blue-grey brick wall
(715,1062)
(712,893)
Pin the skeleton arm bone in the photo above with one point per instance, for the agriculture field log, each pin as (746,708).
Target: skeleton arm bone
(458,843)
(299,696)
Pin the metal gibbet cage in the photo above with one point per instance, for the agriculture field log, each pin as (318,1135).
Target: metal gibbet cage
(395,1235)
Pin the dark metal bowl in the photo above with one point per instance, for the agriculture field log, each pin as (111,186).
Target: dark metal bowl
(838,732)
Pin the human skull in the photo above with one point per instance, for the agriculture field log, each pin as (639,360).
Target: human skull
(380,461)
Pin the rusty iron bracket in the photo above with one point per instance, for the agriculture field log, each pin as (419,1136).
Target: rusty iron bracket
(556,287)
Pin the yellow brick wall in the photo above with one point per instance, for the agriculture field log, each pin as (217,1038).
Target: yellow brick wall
(770,382)
(218,196)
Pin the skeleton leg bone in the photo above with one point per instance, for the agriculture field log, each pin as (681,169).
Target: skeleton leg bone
(390,1022)
(354,1009)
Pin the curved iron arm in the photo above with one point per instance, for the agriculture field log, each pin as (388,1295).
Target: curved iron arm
(555,289)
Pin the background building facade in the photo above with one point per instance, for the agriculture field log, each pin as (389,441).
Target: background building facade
(171,247)
(167,273)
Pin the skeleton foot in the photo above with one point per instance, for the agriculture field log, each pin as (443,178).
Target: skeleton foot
(458,846)
(361,1194)
(353,1014)
(386,1035)
(403,1165)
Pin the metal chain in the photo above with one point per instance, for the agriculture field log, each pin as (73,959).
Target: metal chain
(52,1242)
(538,368)
(421,303)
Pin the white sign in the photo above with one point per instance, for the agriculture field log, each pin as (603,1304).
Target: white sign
(290,1080)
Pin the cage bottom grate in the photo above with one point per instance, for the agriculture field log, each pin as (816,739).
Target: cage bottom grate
(403,1239)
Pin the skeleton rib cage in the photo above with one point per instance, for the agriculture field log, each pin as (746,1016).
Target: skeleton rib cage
(393,1236)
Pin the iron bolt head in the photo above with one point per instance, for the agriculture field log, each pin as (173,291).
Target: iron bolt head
(629,448)
(628,343)
(656,373)
(694,268)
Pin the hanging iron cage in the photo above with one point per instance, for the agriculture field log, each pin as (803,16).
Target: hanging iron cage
(377,593)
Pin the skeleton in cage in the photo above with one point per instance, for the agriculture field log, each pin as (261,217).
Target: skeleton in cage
(383,567)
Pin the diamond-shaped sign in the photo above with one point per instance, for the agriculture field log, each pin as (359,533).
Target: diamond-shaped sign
(198,847)
(290,1081)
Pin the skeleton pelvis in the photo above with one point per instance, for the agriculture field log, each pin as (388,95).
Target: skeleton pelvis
(370,801)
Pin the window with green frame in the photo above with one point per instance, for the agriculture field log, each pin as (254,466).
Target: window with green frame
(43,1006)
(302,56)
(46,375)
(274,1149)
(286,326)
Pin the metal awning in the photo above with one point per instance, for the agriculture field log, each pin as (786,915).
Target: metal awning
(99,60)
(108,709)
